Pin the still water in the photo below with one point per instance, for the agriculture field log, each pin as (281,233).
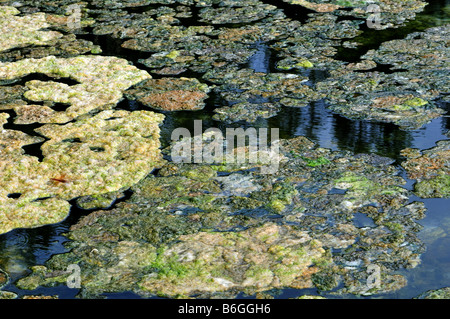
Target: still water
(22,248)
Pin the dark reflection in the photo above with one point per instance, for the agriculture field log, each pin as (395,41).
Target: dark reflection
(293,11)
(22,248)
(366,137)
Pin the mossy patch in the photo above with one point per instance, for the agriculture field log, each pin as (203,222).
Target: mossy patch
(171,94)
(92,156)
(102,81)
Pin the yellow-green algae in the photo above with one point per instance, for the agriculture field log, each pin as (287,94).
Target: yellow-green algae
(28,30)
(16,31)
(257,258)
(102,81)
(93,155)
(442,293)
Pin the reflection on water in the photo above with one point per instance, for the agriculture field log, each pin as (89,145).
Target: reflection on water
(336,132)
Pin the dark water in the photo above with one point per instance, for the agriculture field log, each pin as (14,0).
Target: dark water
(22,248)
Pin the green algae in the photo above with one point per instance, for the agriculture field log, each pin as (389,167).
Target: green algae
(181,200)
(254,95)
(236,14)
(211,271)
(65,46)
(4,278)
(98,201)
(206,234)
(426,50)
(391,14)
(7,295)
(196,51)
(172,271)
(379,98)
(438,186)
(278,197)
(316,162)
(96,155)
(249,112)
